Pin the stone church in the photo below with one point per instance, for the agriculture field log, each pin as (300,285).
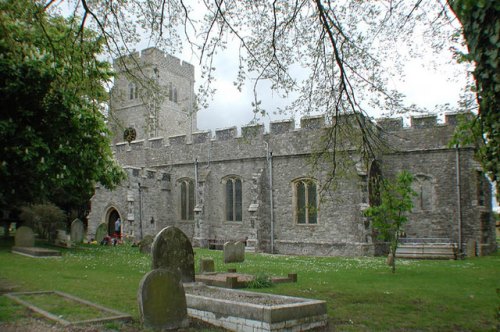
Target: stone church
(259,186)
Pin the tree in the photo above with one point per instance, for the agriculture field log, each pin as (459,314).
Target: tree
(333,57)
(389,217)
(54,138)
(481,29)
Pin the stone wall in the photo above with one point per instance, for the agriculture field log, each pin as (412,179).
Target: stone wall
(155,74)
(341,229)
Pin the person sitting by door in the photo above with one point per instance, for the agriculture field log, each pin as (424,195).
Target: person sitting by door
(118,226)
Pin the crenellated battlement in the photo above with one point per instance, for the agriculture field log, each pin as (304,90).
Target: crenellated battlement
(150,56)
(309,125)
(421,121)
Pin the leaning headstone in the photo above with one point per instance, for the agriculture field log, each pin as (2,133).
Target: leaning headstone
(24,237)
(207,265)
(101,232)
(234,252)
(145,244)
(77,230)
(172,249)
(162,300)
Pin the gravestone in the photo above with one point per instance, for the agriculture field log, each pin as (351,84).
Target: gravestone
(207,265)
(145,244)
(471,248)
(77,230)
(24,237)
(162,300)
(62,239)
(172,249)
(234,252)
(101,232)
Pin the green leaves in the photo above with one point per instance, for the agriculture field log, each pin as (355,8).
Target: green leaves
(54,137)
(389,217)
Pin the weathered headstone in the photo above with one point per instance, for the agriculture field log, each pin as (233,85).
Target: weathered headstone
(172,249)
(162,300)
(207,265)
(145,244)
(471,248)
(101,232)
(234,252)
(77,230)
(62,239)
(24,237)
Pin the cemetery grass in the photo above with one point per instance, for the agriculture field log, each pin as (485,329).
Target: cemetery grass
(361,293)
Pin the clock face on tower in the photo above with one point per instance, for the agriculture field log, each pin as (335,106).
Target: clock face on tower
(129,134)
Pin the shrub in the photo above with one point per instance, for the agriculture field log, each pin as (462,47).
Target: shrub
(43,218)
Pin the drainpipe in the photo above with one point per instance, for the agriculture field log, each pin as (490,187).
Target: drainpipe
(195,180)
(459,194)
(140,209)
(269,157)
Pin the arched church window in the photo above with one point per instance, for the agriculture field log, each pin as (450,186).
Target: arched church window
(305,201)
(233,193)
(186,193)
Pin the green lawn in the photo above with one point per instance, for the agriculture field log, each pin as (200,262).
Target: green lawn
(362,294)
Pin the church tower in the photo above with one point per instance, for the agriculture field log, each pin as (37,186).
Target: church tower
(153,96)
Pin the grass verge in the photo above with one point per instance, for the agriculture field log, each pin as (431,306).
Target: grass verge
(361,293)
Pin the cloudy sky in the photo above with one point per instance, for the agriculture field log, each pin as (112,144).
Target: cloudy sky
(423,86)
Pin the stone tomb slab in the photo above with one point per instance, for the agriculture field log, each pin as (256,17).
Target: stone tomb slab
(238,310)
(105,314)
(237,280)
(172,249)
(36,252)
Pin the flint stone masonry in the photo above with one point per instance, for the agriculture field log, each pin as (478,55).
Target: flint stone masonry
(208,160)
(234,252)
(24,237)
(77,230)
(172,249)
(162,300)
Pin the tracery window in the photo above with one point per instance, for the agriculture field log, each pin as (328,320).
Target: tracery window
(305,201)
(233,187)
(186,193)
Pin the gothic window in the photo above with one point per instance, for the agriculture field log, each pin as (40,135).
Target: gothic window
(305,201)
(174,98)
(424,187)
(132,91)
(234,204)
(186,199)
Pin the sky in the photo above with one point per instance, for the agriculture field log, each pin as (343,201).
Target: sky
(423,86)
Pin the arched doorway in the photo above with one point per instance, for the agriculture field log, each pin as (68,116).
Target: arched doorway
(113,215)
